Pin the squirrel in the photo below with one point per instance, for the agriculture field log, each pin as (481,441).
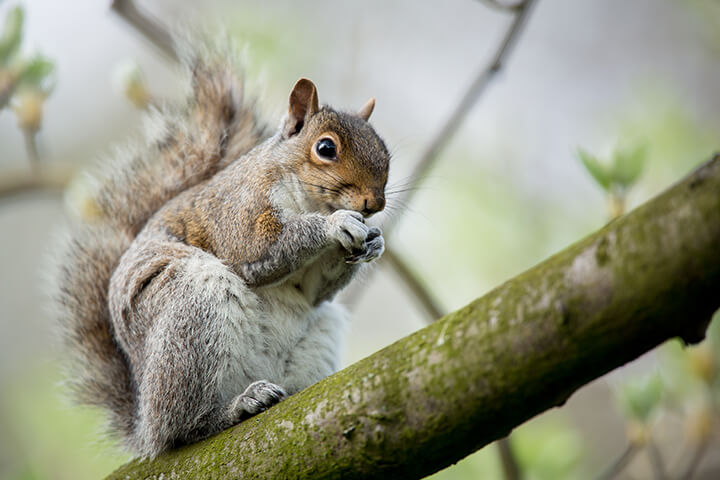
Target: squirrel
(198,290)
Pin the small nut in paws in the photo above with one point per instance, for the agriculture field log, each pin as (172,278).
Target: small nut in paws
(348,228)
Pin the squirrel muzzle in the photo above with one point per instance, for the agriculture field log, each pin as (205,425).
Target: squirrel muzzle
(372,204)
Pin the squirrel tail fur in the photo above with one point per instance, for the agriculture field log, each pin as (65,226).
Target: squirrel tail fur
(185,144)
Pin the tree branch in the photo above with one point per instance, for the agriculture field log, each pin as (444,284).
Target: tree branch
(510,466)
(436,396)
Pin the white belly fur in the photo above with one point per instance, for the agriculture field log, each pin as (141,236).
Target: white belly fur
(275,335)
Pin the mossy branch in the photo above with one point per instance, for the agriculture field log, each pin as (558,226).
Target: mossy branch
(447,390)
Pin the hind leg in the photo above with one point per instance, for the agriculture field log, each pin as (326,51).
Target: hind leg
(191,313)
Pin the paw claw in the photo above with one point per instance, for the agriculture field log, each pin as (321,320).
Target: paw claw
(373,248)
(363,243)
(257,397)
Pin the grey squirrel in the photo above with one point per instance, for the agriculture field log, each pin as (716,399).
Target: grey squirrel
(197,289)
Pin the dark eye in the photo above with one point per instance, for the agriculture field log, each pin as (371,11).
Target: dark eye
(326,148)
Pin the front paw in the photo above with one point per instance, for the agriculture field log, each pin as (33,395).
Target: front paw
(373,247)
(348,228)
(257,397)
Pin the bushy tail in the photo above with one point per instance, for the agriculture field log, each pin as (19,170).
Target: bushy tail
(185,144)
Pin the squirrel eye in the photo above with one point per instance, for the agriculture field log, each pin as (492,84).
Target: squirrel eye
(326,148)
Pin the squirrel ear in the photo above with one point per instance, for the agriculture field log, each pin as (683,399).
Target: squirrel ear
(303,105)
(367,109)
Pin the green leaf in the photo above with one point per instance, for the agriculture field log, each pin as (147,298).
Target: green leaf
(598,171)
(628,165)
(11,35)
(37,73)
(548,448)
(640,397)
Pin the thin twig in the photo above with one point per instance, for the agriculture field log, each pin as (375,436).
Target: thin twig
(656,461)
(157,34)
(619,464)
(695,460)
(505,7)
(477,87)
(510,466)
(30,137)
(416,288)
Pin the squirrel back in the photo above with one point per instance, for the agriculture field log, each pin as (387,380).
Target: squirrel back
(190,142)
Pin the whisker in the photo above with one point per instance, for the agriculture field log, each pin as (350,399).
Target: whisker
(336,186)
(328,175)
(406,183)
(398,191)
(321,187)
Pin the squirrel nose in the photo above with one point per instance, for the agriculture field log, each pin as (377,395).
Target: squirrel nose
(373,205)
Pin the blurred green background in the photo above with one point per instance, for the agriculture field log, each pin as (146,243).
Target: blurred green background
(602,105)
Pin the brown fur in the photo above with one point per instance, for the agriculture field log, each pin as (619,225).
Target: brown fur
(267,226)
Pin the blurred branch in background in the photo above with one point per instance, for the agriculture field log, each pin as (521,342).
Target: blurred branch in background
(150,28)
(25,84)
(697,456)
(473,93)
(507,7)
(414,284)
(618,465)
(510,465)
(656,460)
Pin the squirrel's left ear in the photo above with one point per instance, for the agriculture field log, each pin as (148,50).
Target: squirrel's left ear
(303,105)
(367,109)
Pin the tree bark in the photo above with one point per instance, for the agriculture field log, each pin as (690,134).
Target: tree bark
(434,397)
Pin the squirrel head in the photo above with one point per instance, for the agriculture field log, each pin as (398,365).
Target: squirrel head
(339,160)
